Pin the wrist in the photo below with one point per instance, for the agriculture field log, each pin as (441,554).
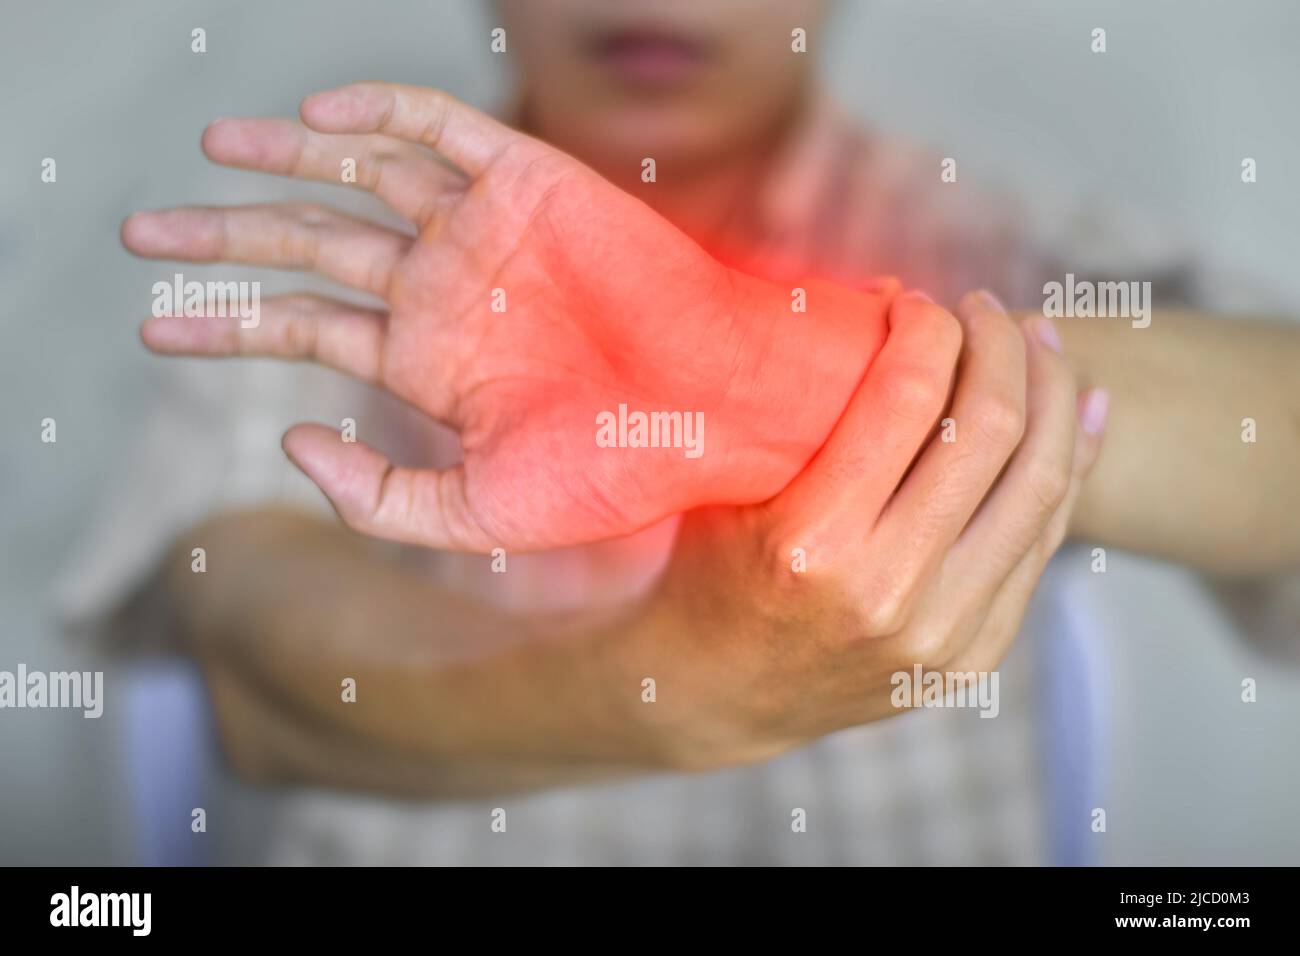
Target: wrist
(793,380)
(700,635)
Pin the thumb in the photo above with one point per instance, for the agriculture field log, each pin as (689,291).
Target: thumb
(375,497)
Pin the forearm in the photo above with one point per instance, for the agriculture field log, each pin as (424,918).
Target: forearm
(1175,478)
(453,696)
(270,739)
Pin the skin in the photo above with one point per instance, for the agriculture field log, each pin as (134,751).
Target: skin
(710,131)
(1177,482)
(661,326)
(463,698)
(1173,445)
(976,522)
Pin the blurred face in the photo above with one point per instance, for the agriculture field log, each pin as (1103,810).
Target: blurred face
(684,81)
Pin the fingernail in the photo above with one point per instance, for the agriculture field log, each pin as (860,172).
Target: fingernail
(993,300)
(1046,333)
(922,295)
(1095,411)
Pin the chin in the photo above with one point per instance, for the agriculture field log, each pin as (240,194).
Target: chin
(669,137)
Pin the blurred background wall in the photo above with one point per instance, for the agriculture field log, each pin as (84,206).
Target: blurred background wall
(1156,128)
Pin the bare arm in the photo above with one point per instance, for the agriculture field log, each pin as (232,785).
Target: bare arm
(453,696)
(1176,480)
(912,552)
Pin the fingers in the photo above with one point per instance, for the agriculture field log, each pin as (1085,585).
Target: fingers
(958,467)
(1038,475)
(1094,410)
(408,178)
(374,497)
(341,336)
(1007,607)
(282,236)
(840,494)
(470,139)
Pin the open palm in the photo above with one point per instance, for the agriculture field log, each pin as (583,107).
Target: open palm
(533,301)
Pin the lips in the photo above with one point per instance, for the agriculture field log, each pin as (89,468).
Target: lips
(651,58)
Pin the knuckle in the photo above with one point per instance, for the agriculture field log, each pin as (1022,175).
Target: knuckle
(878,619)
(924,645)
(914,393)
(786,543)
(884,612)
(945,332)
(437,112)
(1048,482)
(999,420)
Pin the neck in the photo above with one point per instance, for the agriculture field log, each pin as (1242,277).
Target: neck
(712,201)
(708,198)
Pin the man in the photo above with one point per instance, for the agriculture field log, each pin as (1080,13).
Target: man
(768,185)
